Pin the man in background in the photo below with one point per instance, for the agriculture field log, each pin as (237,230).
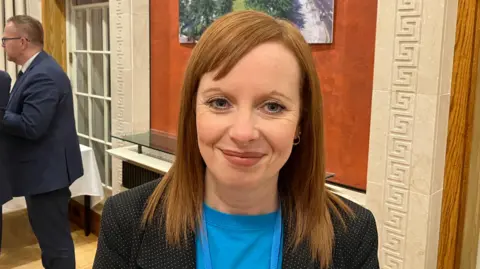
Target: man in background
(42,145)
(5,192)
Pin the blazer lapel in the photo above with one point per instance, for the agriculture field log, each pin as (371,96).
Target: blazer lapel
(154,252)
(19,82)
(299,257)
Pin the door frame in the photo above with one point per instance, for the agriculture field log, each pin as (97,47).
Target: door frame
(55,35)
(89,94)
(459,229)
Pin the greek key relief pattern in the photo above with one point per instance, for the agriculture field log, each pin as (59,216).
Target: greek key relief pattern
(120,92)
(400,134)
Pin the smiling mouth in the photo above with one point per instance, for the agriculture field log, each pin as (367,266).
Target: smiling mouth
(242,158)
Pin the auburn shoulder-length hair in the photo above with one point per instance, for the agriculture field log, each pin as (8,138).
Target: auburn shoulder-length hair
(306,201)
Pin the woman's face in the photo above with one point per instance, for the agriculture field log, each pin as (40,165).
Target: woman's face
(247,121)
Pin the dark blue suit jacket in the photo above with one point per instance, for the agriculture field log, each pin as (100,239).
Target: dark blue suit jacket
(5,192)
(39,129)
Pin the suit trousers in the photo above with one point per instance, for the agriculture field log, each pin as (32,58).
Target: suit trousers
(48,215)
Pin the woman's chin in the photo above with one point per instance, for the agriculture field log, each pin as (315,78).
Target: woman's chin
(241,182)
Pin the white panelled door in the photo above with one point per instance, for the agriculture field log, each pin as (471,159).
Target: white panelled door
(88,47)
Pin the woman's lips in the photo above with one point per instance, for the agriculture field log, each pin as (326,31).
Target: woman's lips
(242,158)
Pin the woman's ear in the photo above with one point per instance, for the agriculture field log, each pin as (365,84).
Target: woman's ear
(298,132)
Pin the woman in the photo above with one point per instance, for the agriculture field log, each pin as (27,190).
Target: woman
(247,188)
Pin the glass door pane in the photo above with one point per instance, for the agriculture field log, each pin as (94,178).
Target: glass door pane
(89,70)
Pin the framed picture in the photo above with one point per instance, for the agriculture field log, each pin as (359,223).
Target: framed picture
(314,18)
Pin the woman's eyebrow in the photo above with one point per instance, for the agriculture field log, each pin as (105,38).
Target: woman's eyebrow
(212,90)
(279,94)
(273,93)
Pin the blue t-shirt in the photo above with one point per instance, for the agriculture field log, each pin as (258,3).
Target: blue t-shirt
(238,241)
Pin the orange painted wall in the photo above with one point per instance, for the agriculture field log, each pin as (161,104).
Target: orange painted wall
(345,69)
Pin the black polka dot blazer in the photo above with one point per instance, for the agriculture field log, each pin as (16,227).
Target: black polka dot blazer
(123,245)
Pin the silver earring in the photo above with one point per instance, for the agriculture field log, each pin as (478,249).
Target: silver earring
(296,141)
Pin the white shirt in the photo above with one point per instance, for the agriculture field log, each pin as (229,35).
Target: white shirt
(29,62)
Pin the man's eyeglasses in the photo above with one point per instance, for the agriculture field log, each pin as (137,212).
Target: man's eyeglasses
(4,39)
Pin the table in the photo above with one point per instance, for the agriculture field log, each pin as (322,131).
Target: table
(89,185)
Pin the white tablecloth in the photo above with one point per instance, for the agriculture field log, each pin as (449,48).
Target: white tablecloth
(89,184)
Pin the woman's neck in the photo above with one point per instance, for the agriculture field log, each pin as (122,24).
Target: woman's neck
(247,201)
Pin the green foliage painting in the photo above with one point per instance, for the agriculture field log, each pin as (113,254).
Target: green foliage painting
(313,17)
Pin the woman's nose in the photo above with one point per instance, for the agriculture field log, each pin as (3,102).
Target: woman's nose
(243,130)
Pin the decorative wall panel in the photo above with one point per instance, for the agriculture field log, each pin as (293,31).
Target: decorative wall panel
(130,104)
(401,164)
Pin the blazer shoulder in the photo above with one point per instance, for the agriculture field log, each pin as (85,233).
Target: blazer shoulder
(360,213)
(120,235)
(356,223)
(134,200)
(4,75)
(5,79)
(48,68)
(45,64)
(356,241)
(123,212)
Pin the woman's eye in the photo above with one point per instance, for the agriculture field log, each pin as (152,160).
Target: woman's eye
(219,103)
(274,108)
